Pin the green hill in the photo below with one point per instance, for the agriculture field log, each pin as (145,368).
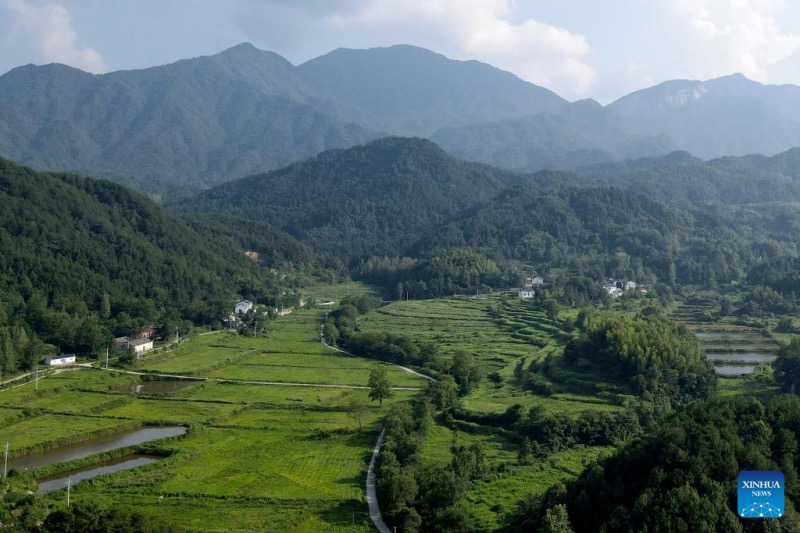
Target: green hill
(372,199)
(82,260)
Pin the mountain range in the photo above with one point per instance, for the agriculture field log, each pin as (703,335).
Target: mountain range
(176,129)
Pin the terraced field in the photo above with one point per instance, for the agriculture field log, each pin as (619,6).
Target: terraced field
(256,458)
(500,332)
(734,349)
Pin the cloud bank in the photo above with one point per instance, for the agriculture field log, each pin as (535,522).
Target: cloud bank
(48,27)
(727,36)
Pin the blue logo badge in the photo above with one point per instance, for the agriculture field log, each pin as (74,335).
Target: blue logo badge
(761,494)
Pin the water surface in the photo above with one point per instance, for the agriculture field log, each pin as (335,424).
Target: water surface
(105,443)
(128,462)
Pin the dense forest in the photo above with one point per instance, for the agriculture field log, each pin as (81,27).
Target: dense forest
(86,260)
(681,475)
(371,199)
(659,359)
(402,214)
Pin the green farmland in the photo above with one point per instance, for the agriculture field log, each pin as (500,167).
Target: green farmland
(292,455)
(257,457)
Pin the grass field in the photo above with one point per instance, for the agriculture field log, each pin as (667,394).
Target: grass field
(258,457)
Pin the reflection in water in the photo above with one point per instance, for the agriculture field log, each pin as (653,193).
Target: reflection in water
(107,467)
(79,450)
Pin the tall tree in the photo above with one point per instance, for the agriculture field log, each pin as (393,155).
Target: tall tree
(787,366)
(379,386)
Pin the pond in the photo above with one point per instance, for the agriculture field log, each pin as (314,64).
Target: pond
(744,357)
(127,462)
(105,443)
(163,386)
(734,370)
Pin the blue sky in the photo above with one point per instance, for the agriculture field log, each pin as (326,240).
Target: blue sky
(578,48)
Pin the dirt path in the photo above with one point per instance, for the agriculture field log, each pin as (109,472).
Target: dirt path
(251,382)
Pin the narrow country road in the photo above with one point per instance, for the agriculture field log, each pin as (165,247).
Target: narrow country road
(372,494)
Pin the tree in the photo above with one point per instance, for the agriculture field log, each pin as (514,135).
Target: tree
(465,372)
(443,394)
(556,520)
(551,309)
(787,366)
(379,386)
(358,410)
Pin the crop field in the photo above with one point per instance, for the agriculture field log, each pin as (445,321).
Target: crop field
(294,354)
(499,332)
(36,432)
(262,457)
(518,332)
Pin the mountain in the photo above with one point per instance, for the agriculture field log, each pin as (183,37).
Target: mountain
(370,199)
(180,128)
(174,130)
(84,260)
(582,133)
(683,178)
(413,92)
(731,115)
(167,129)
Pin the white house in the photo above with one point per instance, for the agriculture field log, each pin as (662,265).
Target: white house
(535,281)
(60,360)
(525,294)
(243,307)
(141,346)
(630,285)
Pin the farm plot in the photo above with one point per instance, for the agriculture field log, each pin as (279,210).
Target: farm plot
(257,457)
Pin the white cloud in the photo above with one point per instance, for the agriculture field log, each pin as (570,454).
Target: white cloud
(462,29)
(734,36)
(49,28)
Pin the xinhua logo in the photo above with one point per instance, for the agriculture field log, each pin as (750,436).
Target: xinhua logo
(761,494)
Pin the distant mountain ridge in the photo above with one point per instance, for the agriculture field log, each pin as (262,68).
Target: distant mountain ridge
(180,128)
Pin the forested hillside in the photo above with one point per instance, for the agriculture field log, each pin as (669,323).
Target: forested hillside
(171,129)
(600,232)
(82,261)
(681,476)
(679,177)
(371,199)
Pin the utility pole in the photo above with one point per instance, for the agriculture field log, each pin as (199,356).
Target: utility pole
(37,377)
(106,356)
(69,485)
(177,336)
(5,462)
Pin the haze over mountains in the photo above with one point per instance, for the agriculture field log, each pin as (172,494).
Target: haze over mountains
(180,128)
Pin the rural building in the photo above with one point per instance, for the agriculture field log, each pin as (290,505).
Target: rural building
(61,360)
(243,307)
(121,343)
(525,294)
(141,346)
(148,333)
(535,281)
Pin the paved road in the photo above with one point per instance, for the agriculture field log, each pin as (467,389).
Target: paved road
(372,495)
